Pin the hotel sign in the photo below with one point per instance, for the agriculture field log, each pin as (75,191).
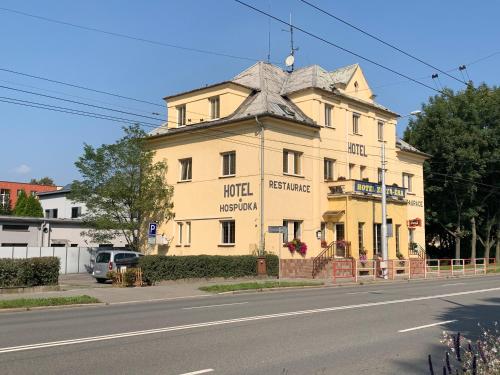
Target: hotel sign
(356,149)
(376,189)
(239,191)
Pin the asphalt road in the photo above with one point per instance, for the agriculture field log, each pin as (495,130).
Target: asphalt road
(377,329)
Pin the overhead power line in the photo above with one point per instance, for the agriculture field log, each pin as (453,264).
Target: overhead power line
(78,86)
(339,47)
(77,102)
(381,40)
(130,37)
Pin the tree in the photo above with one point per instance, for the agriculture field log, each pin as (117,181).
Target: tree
(123,189)
(20,207)
(461,131)
(43,181)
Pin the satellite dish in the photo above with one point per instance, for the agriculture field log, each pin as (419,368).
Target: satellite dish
(289,60)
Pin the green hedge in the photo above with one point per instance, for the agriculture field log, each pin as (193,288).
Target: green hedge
(29,272)
(160,267)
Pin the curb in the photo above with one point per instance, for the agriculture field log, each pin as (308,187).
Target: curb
(274,289)
(60,307)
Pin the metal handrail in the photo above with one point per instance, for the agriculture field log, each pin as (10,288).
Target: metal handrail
(328,254)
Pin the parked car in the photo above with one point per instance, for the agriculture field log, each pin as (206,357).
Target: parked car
(111,260)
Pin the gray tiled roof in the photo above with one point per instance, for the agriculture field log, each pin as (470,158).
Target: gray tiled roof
(271,85)
(405,146)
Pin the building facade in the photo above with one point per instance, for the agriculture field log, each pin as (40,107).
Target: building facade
(9,191)
(299,150)
(55,204)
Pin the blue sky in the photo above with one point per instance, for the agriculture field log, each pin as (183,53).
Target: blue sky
(36,142)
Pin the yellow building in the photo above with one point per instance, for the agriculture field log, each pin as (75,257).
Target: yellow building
(296,149)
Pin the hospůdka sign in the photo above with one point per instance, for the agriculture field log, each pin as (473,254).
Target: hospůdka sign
(372,188)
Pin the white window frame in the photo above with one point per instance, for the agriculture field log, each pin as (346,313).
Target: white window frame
(188,233)
(294,159)
(352,167)
(380,131)
(408,182)
(179,233)
(233,233)
(214,107)
(189,173)
(355,123)
(328,115)
(230,155)
(328,169)
(294,228)
(181,115)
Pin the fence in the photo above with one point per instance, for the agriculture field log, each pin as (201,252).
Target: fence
(73,259)
(411,268)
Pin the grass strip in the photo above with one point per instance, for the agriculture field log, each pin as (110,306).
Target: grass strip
(219,288)
(50,301)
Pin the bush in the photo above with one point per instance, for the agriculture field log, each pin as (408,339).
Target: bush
(29,272)
(160,267)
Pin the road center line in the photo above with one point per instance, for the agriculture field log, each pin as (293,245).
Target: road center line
(208,306)
(199,372)
(232,321)
(366,292)
(426,326)
(453,284)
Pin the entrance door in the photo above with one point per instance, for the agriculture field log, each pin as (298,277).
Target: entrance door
(377,239)
(340,239)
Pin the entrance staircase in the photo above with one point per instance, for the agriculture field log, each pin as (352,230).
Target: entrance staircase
(416,251)
(336,249)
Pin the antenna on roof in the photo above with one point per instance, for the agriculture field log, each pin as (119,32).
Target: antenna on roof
(269,35)
(290,60)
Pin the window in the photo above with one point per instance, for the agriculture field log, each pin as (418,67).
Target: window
(380,131)
(51,214)
(188,233)
(328,169)
(398,236)
(179,233)
(214,107)
(181,115)
(361,241)
(352,167)
(362,172)
(33,193)
(377,239)
(379,172)
(411,235)
(407,181)
(19,191)
(294,230)
(76,212)
(186,169)
(229,163)
(14,244)
(356,86)
(5,198)
(328,115)
(292,162)
(323,231)
(103,258)
(227,232)
(16,227)
(355,123)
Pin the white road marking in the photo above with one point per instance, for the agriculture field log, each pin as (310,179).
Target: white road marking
(232,321)
(207,306)
(453,284)
(199,372)
(426,326)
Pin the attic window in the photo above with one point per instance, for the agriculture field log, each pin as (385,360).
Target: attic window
(356,86)
(287,110)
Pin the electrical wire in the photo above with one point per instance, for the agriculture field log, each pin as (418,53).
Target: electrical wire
(130,37)
(340,47)
(380,40)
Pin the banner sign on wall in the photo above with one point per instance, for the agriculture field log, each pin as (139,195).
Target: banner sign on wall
(373,188)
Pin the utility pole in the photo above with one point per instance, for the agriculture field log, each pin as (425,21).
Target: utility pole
(384,216)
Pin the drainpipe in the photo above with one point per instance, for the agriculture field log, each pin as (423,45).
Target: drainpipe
(261,243)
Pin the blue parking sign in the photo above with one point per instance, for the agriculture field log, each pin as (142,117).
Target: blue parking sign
(152,229)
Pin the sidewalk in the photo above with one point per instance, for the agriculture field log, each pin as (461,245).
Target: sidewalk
(79,284)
